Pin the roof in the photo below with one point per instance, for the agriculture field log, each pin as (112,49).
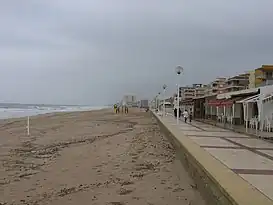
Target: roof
(265,67)
(204,96)
(237,93)
(187,100)
(239,76)
(268,98)
(254,98)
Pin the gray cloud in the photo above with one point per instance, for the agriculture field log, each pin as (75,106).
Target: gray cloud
(92,52)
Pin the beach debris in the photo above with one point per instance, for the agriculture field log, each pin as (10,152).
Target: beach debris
(123,191)
(115,203)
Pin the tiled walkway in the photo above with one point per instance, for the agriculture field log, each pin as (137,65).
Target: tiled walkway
(250,158)
(241,129)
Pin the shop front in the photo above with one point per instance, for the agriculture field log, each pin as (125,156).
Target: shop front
(199,108)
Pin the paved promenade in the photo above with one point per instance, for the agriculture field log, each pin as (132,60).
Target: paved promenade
(249,158)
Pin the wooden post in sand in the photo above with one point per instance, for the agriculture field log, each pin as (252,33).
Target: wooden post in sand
(28,126)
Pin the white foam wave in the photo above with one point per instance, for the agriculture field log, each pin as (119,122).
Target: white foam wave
(6,113)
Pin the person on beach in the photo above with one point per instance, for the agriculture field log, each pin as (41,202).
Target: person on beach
(186,115)
(115,108)
(126,109)
(123,108)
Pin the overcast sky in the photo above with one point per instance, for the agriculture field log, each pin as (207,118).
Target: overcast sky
(93,52)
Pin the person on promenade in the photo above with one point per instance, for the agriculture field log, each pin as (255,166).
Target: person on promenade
(179,112)
(186,115)
(175,112)
(190,115)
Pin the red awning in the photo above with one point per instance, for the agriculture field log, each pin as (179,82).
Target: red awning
(227,103)
(214,102)
(221,103)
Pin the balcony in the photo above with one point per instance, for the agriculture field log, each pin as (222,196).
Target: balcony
(214,85)
(238,79)
(235,85)
(261,76)
(189,96)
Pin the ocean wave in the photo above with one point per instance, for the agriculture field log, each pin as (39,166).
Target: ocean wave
(12,112)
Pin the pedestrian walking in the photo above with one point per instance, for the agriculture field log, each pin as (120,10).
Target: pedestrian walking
(186,115)
(179,112)
(115,108)
(175,112)
(190,117)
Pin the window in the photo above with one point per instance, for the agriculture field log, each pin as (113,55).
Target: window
(269,75)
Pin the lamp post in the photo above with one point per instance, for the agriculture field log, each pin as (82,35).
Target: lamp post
(155,103)
(158,104)
(164,96)
(178,71)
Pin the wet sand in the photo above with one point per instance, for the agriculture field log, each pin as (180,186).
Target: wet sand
(95,158)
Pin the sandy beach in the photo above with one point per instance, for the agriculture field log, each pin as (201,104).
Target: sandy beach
(95,157)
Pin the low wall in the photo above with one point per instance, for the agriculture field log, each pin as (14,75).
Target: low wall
(217,184)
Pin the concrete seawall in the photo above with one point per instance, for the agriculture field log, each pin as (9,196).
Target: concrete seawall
(218,184)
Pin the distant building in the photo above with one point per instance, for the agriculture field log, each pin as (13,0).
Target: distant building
(199,90)
(236,83)
(187,92)
(190,92)
(261,76)
(130,100)
(170,100)
(144,103)
(215,87)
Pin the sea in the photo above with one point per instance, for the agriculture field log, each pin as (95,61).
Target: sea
(16,110)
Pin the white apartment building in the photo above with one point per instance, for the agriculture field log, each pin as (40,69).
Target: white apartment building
(216,86)
(199,90)
(236,83)
(190,92)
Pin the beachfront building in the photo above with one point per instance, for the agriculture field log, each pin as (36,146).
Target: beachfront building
(199,107)
(236,83)
(200,90)
(231,106)
(249,108)
(261,76)
(215,87)
(189,93)
(167,105)
(186,92)
(170,100)
(186,95)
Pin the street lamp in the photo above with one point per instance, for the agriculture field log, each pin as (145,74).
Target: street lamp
(155,102)
(178,71)
(164,91)
(158,104)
